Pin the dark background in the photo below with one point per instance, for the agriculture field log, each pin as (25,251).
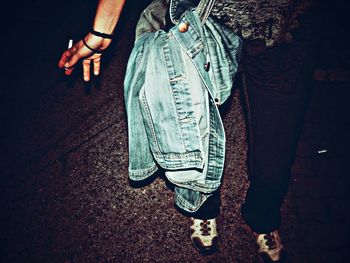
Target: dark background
(65,196)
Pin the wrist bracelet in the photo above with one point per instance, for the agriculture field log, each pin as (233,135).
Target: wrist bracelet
(100,34)
(92,49)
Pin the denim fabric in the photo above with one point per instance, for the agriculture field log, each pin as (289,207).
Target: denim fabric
(154,17)
(163,124)
(178,7)
(200,100)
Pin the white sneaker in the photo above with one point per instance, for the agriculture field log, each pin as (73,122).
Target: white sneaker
(204,235)
(270,246)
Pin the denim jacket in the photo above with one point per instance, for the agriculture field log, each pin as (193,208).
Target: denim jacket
(162,126)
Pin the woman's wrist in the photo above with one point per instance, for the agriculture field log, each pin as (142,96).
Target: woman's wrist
(101,34)
(96,43)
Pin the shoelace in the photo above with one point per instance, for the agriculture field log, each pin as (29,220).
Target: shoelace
(270,241)
(205,229)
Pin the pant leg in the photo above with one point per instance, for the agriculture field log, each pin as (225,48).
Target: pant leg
(277,98)
(277,83)
(275,123)
(209,209)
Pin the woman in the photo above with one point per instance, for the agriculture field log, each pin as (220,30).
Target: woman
(279,39)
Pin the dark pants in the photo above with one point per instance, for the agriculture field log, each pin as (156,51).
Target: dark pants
(277,84)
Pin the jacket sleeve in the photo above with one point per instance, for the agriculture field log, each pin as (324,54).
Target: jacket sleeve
(141,162)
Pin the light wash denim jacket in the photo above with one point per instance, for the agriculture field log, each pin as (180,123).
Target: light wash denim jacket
(162,126)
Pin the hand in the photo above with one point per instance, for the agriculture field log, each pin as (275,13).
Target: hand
(79,51)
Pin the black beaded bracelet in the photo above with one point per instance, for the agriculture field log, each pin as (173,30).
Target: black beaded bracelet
(100,34)
(92,49)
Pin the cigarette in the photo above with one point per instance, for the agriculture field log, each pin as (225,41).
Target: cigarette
(70,43)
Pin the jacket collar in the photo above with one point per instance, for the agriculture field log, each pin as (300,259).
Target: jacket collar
(178,7)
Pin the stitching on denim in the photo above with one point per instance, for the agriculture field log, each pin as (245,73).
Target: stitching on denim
(149,120)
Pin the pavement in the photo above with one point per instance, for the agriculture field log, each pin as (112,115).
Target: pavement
(65,193)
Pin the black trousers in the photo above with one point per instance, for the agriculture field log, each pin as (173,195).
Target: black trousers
(277,83)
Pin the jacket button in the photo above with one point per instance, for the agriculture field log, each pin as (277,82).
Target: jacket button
(217,101)
(183,27)
(207,66)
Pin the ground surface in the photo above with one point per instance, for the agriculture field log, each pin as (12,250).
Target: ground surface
(65,195)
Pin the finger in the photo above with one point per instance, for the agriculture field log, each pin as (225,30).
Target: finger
(86,69)
(71,56)
(64,58)
(68,71)
(97,66)
(72,60)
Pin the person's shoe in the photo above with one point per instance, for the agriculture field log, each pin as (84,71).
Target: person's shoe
(270,247)
(204,235)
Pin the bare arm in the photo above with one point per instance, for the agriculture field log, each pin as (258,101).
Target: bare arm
(106,19)
(107,15)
